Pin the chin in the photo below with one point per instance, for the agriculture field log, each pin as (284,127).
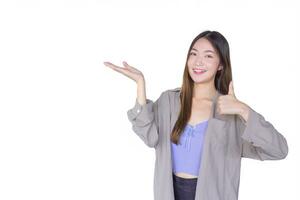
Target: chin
(203,79)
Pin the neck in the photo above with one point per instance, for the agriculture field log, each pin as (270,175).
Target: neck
(204,91)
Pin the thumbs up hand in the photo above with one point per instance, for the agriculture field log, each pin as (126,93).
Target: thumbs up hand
(229,104)
(230,90)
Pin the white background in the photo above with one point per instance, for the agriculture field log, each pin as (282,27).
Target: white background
(64,131)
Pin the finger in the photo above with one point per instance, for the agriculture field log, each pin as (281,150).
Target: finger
(230,89)
(109,64)
(130,67)
(218,109)
(106,63)
(117,68)
(218,104)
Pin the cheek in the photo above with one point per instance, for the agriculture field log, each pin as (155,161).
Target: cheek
(190,70)
(190,62)
(213,64)
(210,62)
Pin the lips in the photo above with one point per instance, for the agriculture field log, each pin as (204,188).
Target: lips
(199,70)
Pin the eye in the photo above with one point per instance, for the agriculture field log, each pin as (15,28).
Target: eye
(192,53)
(209,56)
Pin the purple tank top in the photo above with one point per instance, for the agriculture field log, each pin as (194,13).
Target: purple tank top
(186,156)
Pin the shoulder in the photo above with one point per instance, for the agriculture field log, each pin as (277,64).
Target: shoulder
(174,90)
(168,94)
(171,92)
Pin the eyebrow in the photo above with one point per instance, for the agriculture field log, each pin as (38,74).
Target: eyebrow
(204,51)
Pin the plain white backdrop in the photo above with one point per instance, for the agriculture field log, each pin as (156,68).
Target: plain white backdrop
(64,132)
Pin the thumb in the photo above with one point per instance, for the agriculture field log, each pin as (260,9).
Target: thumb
(230,90)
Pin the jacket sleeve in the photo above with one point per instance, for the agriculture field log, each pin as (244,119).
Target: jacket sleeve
(144,120)
(260,140)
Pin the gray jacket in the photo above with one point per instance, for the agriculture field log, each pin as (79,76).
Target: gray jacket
(228,138)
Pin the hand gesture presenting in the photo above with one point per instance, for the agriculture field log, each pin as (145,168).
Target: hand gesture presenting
(229,104)
(128,71)
(135,75)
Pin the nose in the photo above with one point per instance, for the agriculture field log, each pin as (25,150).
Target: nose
(199,61)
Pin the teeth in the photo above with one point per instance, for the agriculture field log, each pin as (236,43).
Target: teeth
(200,70)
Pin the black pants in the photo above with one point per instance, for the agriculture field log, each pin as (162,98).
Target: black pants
(184,189)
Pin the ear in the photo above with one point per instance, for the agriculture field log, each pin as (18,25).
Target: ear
(220,67)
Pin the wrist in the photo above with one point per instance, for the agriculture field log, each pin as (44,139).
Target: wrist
(141,81)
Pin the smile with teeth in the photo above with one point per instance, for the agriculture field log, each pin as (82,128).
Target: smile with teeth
(199,71)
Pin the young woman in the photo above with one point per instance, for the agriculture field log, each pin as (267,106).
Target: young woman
(200,131)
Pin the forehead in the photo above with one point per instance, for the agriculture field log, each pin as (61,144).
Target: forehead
(202,45)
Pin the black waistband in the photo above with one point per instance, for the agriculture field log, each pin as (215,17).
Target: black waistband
(180,179)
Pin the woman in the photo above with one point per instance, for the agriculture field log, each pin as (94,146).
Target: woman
(200,131)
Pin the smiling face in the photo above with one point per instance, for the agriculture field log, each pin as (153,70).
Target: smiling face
(203,61)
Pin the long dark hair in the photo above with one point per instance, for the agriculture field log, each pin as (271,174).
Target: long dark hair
(222,79)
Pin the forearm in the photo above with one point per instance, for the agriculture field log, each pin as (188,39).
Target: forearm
(141,92)
(261,140)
